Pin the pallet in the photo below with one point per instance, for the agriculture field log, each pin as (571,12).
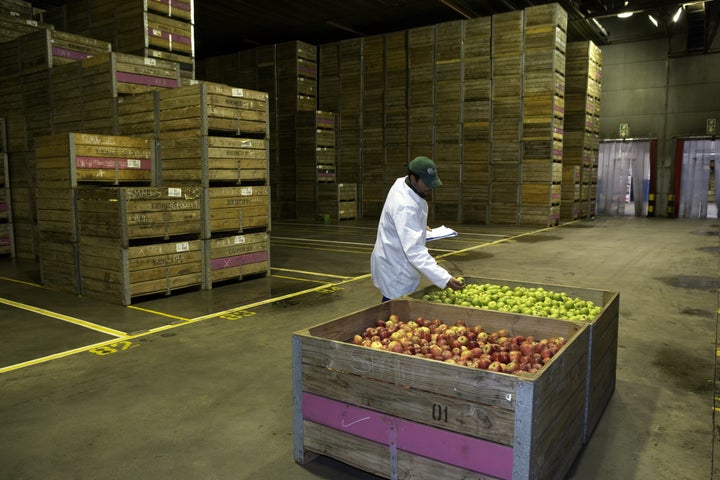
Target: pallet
(398,416)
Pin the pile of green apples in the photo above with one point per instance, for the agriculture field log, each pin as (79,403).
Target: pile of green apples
(535,301)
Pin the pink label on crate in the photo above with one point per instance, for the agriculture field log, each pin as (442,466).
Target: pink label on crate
(169,36)
(147,80)
(238,260)
(67,53)
(112,163)
(3,207)
(448,447)
(4,242)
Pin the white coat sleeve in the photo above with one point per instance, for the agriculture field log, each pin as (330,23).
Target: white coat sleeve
(411,232)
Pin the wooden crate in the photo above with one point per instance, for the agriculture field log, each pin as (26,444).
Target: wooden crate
(45,49)
(12,27)
(205,108)
(59,262)
(402,416)
(205,160)
(7,240)
(235,209)
(235,257)
(115,73)
(126,215)
(119,274)
(67,160)
(603,342)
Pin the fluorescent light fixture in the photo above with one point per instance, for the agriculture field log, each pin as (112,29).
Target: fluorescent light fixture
(625,14)
(676,17)
(652,19)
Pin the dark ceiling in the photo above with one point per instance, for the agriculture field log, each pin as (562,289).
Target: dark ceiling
(225,26)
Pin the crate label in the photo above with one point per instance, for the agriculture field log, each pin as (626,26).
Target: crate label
(246,143)
(237,92)
(239,239)
(182,247)
(175,192)
(245,191)
(132,163)
(156,32)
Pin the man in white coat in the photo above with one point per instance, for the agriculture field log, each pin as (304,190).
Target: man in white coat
(400,255)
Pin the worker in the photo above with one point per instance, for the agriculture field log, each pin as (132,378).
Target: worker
(400,255)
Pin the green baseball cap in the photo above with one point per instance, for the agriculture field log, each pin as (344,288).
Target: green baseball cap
(425,168)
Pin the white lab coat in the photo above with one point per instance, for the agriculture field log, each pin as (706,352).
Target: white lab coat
(400,255)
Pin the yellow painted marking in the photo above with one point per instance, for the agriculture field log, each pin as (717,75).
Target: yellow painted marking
(14,280)
(717,352)
(317,274)
(162,314)
(299,279)
(65,318)
(55,356)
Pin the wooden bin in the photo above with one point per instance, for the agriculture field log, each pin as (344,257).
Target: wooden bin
(204,108)
(603,338)
(234,257)
(205,160)
(66,160)
(45,49)
(403,416)
(125,215)
(119,274)
(235,209)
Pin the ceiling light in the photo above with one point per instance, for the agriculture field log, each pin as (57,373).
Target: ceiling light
(676,17)
(625,14)
(652,19)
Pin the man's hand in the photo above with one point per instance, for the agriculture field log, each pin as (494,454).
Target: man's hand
(455,283)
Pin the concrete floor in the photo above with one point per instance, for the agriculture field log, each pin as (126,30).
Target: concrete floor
(197,385)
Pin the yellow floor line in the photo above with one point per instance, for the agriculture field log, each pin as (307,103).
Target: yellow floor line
(22,282)
(162,314)
(65,318)
(55,356)
(317,274)
(299,279)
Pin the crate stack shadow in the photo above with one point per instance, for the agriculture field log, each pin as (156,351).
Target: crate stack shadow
(129,177)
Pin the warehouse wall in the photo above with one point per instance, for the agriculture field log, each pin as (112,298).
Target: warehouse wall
(661,92)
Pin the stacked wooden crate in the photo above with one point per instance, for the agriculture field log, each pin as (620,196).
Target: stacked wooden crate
(448,118)
(396,108)
(582,124)
(420,94)
(315,161)
(66,162)
(545,40)
(506,117)
(6,225)
(373,124)
(337,202)
(288,73)
(476,121)
(349,112)
(17,19)
(148,28)
(215,137)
